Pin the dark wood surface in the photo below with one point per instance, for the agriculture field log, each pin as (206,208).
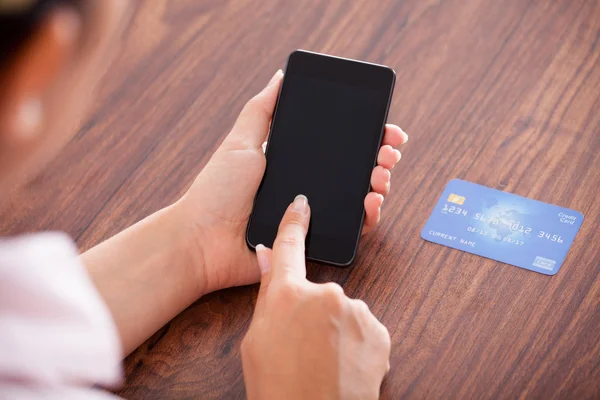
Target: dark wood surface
(501,93)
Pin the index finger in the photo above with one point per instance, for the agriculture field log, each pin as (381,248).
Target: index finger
(288,258)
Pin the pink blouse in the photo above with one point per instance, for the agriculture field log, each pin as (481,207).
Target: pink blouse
(57,337)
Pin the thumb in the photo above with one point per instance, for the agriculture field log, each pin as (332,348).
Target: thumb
(252,126)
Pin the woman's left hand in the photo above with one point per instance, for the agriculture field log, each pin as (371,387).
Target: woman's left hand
(219,202)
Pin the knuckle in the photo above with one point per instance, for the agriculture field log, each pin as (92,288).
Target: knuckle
(288,290)
(386,340)
(380,331)
(293,219)
(253,103)
(361,307)
(291,241)
(334,297)
(288,284)
(333,289)
(256,106)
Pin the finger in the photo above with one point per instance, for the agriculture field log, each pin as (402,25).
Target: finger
(373,203)
(263,256)
(252,126)
(388,157)
(394,136)
(380,180)
(288,257)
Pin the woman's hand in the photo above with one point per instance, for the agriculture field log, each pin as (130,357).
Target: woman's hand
(153,270)
(219,202)
(306,340)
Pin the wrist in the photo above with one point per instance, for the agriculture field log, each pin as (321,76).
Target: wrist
(147,274)
(216,248)
(189,245)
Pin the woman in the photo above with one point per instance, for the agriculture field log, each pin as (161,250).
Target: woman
(93,309)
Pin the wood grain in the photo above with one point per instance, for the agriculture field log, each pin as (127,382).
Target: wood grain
(501,93)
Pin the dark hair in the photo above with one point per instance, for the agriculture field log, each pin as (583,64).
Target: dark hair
(17,26)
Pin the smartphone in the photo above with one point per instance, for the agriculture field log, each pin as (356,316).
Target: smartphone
(325,135)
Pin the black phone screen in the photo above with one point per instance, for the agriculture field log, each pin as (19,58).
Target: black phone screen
(324,140)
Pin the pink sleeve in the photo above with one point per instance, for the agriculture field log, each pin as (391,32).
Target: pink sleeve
(57,337)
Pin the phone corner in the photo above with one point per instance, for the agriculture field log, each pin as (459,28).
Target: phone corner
(347,264)
(296,53)
(350,262)
(330,262)
(391,72)
(249,243)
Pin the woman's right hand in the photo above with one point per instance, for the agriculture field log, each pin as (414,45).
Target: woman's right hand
(307,340)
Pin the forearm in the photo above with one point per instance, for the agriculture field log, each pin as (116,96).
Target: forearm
(147,274)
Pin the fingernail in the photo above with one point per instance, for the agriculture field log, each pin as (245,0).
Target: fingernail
(300,204)
(275,77)
(263,259)
(405,135)
(398,154)
(381,199)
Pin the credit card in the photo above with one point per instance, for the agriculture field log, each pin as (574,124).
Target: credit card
(502,226)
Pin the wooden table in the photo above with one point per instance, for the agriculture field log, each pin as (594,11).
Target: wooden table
(501,93)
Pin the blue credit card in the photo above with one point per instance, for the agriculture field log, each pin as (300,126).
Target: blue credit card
(503,226)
